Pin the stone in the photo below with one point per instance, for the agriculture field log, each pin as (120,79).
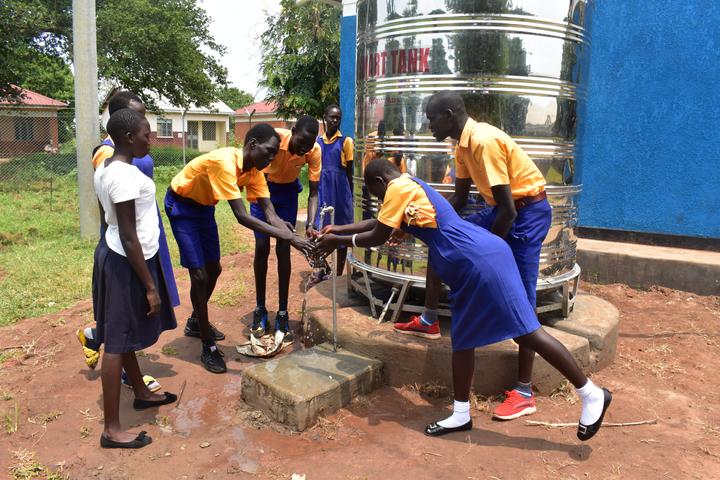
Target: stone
(296,389)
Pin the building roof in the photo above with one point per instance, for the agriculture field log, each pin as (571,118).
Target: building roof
(259,107)
(164,106)
(33,99)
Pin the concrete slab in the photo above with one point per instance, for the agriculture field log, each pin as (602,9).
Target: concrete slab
(410,359)
(595,319)
(296,389)
(643,266)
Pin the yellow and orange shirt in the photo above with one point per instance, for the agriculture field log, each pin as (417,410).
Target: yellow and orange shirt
(102,154)
(406,202)
(218,175)
(285,167)
(490,157)
(347,154)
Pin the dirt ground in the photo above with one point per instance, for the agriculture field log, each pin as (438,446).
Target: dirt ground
(666,370)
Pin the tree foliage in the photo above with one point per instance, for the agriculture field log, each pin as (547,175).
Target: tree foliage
(159,46)
(301,58)
(235,98)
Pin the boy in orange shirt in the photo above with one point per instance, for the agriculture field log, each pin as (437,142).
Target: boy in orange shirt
(190,205)
(297,148)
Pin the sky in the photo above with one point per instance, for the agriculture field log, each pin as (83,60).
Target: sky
(237,24)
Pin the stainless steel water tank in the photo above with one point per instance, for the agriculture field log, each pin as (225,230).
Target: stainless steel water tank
(520,65)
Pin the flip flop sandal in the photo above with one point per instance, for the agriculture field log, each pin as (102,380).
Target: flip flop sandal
(586,432)
(139,404)
(140,441)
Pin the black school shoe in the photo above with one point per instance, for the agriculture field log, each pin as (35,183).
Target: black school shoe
(435,430)
(140,404)
(586,432)
(192,329)
(212,359)
(282,323)
(259,325)
(140,441)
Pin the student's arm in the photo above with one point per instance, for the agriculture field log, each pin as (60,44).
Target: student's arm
(348,157)
(506,212)
(349,173)
(462,189)
(363,226)
(312,208)
(275,228)
(133,251)
(378,235)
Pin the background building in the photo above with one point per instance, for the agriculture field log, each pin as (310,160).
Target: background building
(29,124)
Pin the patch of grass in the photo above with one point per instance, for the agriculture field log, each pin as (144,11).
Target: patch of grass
(28,467)
(565,391)
(231,293)
(9,354)
(170,351)
(6,395)
(46,265)
(45,418)
(482,403)
(432,390)
(84,432)
(11,420)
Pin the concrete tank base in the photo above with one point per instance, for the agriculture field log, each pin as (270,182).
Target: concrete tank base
(589,333)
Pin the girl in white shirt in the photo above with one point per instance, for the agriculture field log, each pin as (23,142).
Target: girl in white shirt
(130,297)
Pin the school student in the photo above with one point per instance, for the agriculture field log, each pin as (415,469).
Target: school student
(519,212)
(88,335)
(131,302)
(297,148)
(336,177)
(190,205)
(488,301)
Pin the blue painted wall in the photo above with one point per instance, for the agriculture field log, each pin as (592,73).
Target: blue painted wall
(348,27)
(650,156)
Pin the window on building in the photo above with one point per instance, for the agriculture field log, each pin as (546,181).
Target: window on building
(24,129)
(164,127)
(208,130)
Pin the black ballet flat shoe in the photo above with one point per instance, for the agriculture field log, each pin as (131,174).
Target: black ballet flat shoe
(140,441)
(586,432)
(435,430)
(139,404)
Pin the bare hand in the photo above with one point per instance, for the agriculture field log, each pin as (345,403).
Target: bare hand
(327,243)
(310,231)
(290,226)
(326,229)
(397,237)
(306,246)
(154,302)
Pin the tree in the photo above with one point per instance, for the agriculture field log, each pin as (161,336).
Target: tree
(235,98)
(159,46)
(301,58)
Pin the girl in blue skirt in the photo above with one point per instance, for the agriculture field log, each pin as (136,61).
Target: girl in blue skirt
(487,298)
(131,301)
(335,187)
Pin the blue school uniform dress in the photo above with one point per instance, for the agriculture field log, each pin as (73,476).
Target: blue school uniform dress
(334,189)
(147,167)
(487,298)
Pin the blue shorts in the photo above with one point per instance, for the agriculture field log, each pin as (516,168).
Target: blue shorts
(525,238)
(284,197)
(195,231)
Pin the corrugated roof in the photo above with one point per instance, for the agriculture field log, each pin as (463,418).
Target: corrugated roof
(34,99)
(260,107)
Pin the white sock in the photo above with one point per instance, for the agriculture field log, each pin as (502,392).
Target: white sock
(593,400)
(460,416)
(88,332)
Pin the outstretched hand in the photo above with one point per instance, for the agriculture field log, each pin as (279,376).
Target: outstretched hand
(327,243)
(306,246)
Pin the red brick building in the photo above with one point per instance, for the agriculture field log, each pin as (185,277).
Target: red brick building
(261,112)
(29,124)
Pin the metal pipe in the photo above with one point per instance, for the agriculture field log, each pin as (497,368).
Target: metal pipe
(330,209)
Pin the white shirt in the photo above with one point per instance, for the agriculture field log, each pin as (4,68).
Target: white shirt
(120,182)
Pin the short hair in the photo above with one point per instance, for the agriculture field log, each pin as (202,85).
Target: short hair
(378,168)
(122,100)
(262,132)
(308,123)
(331,106)
(447,99)
(123,121)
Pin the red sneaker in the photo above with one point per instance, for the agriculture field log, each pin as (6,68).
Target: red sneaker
(514,406)
(417,328)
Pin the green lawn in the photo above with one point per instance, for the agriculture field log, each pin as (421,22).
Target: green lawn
(46,267)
